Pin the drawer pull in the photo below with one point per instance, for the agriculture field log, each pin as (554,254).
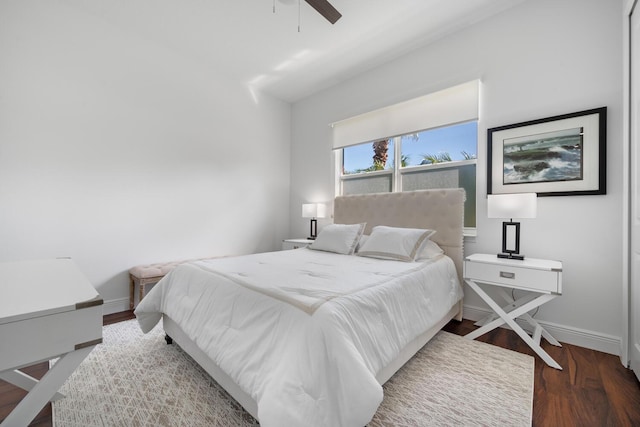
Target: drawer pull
(507,275)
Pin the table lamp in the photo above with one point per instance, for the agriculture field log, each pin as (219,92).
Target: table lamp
(313,211)
(517,205)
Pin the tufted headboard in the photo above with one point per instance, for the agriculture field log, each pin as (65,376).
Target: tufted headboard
(441,210)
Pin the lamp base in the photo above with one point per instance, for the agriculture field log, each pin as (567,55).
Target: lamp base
(511,256)
(313,229)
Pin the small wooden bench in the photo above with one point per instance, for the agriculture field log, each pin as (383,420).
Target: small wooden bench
(150,274)
(142,275)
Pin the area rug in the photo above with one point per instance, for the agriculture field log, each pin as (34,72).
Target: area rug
(138,380)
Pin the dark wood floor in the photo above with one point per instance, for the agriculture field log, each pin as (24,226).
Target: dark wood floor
(593,389)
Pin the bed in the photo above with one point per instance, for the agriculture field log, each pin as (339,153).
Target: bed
(295,347)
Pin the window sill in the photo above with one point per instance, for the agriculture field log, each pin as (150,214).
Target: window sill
(469,234)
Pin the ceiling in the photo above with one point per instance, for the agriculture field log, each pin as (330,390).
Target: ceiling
(247,41)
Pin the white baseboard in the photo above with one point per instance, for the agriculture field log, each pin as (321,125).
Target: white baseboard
(565,334)
(115,306)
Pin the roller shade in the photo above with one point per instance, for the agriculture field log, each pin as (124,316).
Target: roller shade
(449,106)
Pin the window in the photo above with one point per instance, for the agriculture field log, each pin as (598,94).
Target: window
(369,157)
(445,144)
(372,158)
(370,167)
(443,157)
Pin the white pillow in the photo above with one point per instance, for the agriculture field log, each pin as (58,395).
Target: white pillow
(363,239)
(402,244)
(430,250)
(338,238)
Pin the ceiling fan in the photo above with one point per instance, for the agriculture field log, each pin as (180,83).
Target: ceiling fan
(324,8)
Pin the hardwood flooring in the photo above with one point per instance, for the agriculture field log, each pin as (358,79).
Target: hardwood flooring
(593,389)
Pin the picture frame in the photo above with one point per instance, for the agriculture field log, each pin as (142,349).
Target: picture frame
(563,155)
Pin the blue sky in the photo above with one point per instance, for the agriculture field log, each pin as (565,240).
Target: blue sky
(450,139)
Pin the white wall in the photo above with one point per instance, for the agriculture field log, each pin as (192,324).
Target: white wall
(539,59)
(117,151)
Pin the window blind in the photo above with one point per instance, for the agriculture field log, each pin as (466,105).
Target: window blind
(448,106)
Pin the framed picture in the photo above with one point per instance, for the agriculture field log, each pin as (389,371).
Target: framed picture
(556,156)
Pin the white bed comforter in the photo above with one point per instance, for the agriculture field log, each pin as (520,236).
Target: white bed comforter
(304,332)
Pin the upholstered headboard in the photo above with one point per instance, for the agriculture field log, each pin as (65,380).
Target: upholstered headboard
(441,210)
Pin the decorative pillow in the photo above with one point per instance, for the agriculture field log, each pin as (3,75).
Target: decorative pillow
(402,244)
(430,250)
(338,238)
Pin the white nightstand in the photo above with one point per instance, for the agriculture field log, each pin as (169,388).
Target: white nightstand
(295,243)
(542,278)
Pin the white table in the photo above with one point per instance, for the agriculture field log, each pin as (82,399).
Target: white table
(541,278)
(289,244)
(48,309)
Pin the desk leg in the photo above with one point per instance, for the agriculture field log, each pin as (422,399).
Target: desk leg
(24,381)
(47,387)
(508,318)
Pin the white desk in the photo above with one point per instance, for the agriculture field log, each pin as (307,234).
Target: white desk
(48,309)
(541,278)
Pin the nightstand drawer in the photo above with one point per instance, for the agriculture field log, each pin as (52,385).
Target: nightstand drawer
(513,276)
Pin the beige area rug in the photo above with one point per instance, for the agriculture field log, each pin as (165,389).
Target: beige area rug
(137,380)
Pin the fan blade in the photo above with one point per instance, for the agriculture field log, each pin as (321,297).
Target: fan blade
(325,9)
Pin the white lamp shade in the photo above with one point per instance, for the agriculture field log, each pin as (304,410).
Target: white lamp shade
(516,205)
(322,210)
(314,210)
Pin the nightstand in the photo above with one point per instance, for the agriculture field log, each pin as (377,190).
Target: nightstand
(295,243)
(542,279)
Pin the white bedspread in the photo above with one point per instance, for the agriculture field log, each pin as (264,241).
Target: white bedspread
(304,332)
